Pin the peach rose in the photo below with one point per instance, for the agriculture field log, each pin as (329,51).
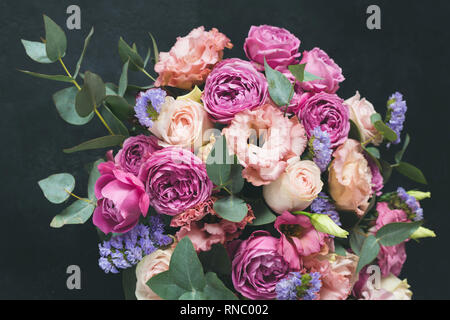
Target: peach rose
(360,112)
(191,59)
(350,178)
(296,188)
(263,140)
(148,267)
(181,123)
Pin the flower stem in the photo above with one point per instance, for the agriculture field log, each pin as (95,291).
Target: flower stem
(103,120)
(147,74)
(79,198)
(68,73)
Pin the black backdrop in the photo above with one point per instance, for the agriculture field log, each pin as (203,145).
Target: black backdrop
(408,54)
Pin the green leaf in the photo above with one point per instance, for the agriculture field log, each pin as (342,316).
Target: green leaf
(56,41)
(155,48)
(374,152)
(354,132)
(310,77)
(186,271)
(369,252)
(65,105)
(399,155)
(129,283)
(237,181)
(382,128)
(147,57)
(123,82)
(357,238)
(397,232)
(263,214)
(216,260)
(111,89)
(163,285)
(231,208)
(298,71)
(216,290)
(130,54)
(115,124)
(218,164)
(339,248)
(57,77)
(91,95)
(57,187)
(80,60)
(411,172)
(77,213)
(94,174)
(193,295)
(36,51)
(120,107)
(386,171)
(98,143)
(281,89)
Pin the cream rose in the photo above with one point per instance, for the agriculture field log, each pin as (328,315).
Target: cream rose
(360,112)
(150,266)
(350,178)
(391,288)
(296,188)
(181,123)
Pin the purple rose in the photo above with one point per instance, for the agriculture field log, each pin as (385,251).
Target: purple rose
(135,151)
(121,199)
(328,112)
(233,86)
(277,45)
(257,266)
(175,180)
(320,64)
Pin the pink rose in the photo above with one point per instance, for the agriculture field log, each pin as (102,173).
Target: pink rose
(350,178)
(377,178)
(135,151)
(320,64)
(283,138)
(298,238)
(338,274)
(191,59)
(328,112)
(360,112)
(151,265)
(390,259)
(296,188)
(205,227)
(257,266)
(277,45)
(121,200)
(181,123)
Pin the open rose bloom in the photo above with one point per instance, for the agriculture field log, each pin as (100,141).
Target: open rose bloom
(249,178)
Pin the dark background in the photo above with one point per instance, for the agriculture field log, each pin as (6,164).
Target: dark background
(408,54)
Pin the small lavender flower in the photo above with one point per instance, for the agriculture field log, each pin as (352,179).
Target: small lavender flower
(298,286)
(396,114)
(410,205)
(323,204)
(320,148)
(126,250)
(148,106)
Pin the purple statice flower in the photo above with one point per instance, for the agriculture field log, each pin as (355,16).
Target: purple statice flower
(298,286)
(148,106)
(126,250)
(415,212)
(323,204)
(396,114)
(320,147)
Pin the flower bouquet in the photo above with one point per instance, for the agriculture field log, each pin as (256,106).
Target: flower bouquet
(237,179)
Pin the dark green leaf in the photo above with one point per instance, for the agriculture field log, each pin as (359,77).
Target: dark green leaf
(65,104)
(386,171)
(397,232)
(354,131)
(192,295)
(216,260)
(80,60)
(93,177)
(56,41)
(237,181)
(298,71)
(120,107)
(123,82)
(339,248)
(399,155)
(36,51)
(411,172)
(374,152)
(369,252)
(57,77)
(155,49)
(382,128)
(91,95)
(281,89)
(98,143)
(185,268)
(231,208)
(57,187)
(115,124)
(218,164)
(263,215)
(163,285)
(129,283)
(216,290)
(130,54)
(357,238)
(147,57)
(77,213)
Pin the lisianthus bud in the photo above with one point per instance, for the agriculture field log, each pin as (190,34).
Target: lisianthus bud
(422,232)
(194,95)
(323,223)
(419,195)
